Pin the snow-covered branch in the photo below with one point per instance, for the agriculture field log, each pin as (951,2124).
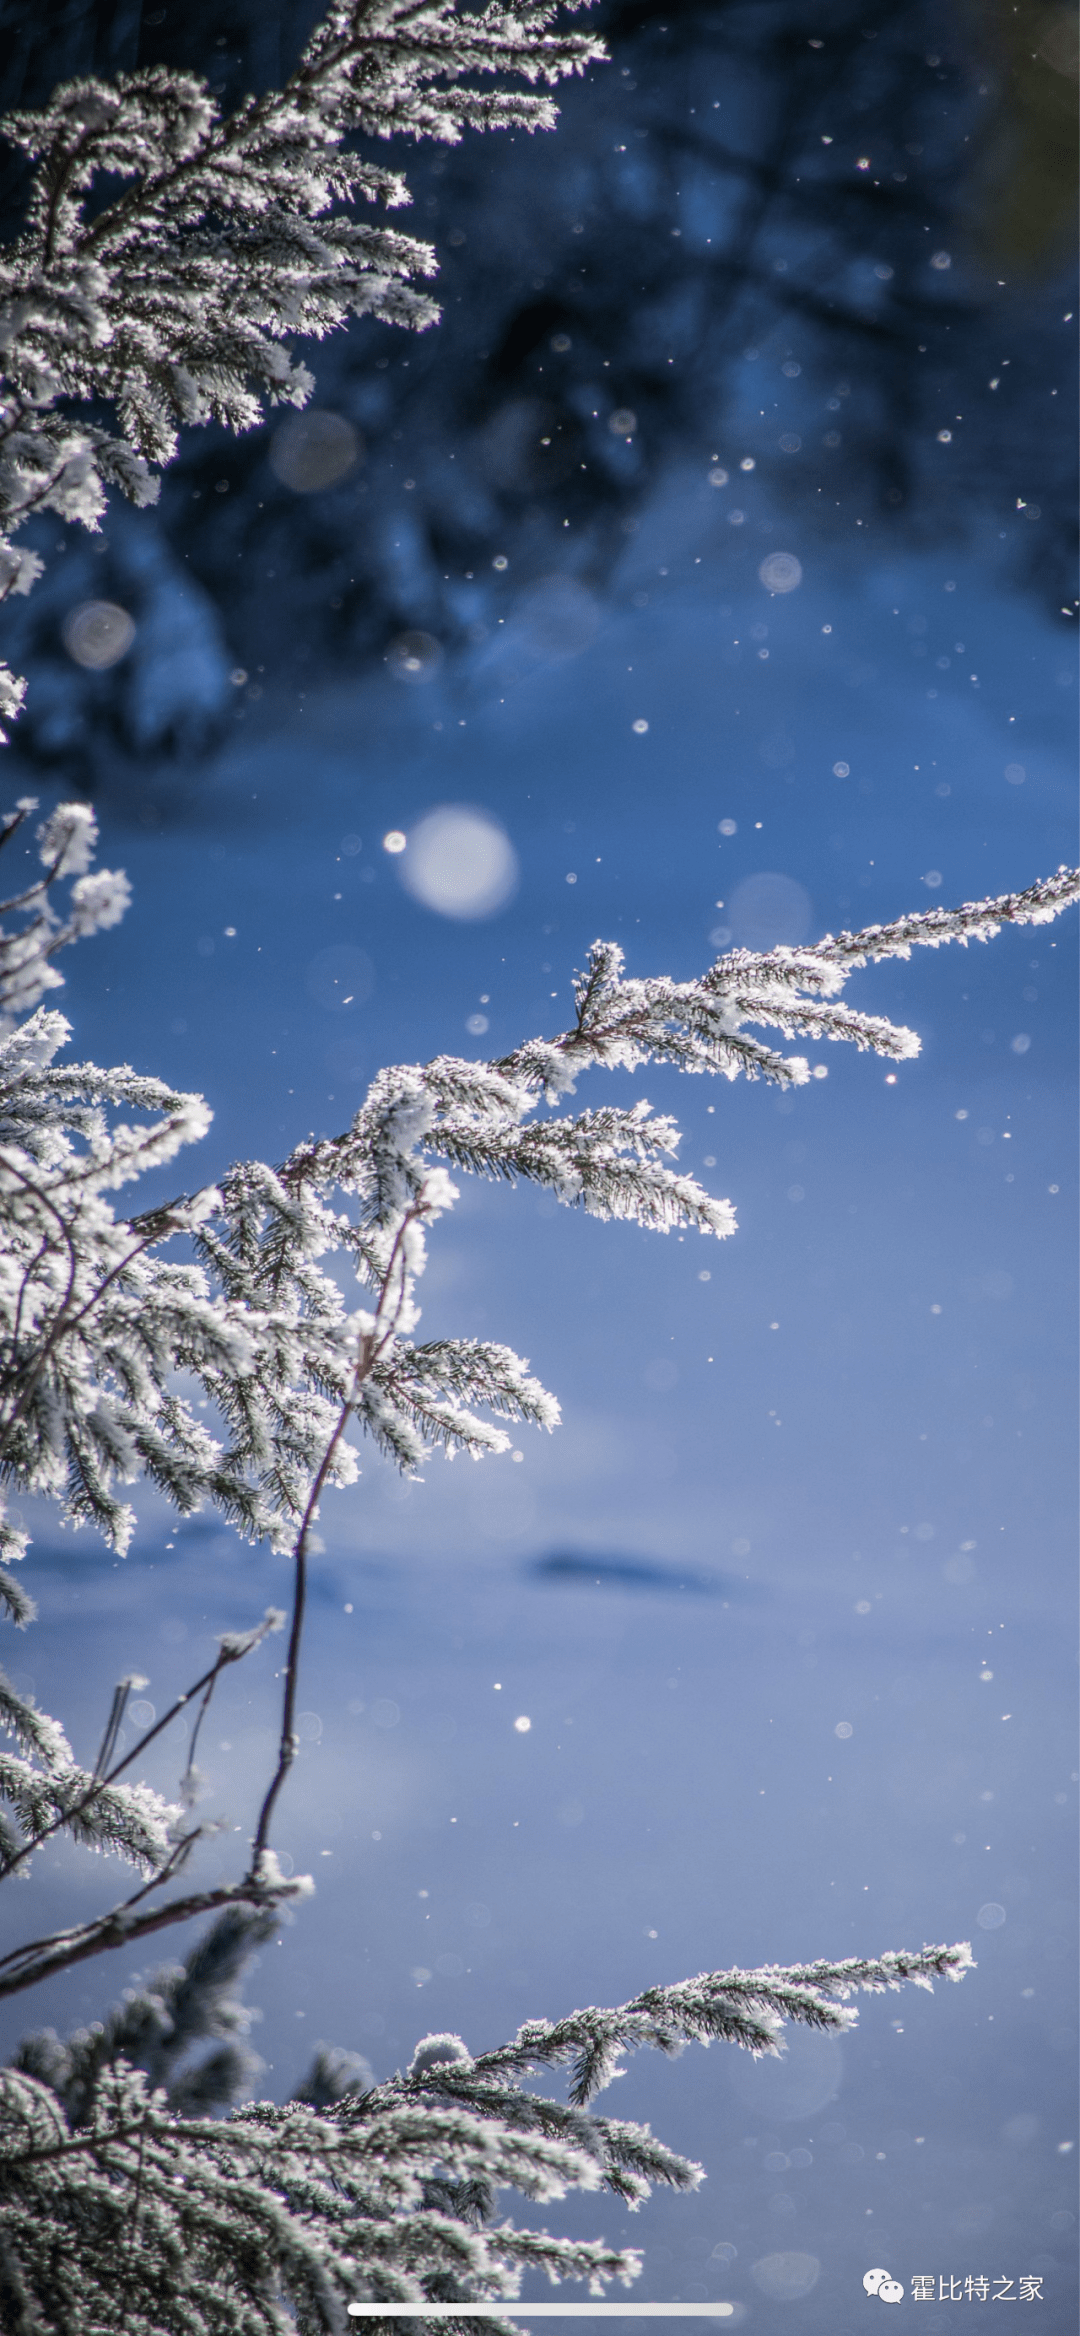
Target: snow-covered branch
(279,2216)
(381,2192)
(748,2008)
(176,299)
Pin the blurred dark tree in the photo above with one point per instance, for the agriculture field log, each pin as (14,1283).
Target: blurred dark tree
(828,241)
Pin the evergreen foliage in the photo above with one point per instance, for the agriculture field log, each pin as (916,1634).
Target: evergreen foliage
(565,293)
(127,2204)
(170,301)
(177,2221)
(111,2154)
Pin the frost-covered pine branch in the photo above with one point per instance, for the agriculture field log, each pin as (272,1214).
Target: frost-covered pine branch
(66,844)
(125,2203)
(168,259)
(176,299)
(748,2008)
(157,2027)
(48,1792)
(98,1323)
(157,2217)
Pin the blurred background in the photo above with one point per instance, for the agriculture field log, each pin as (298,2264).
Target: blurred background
(821,238)
(705,577)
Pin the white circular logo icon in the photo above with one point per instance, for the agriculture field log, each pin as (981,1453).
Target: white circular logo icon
(884,2286)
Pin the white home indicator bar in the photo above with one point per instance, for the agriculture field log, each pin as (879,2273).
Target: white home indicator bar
(511,2309)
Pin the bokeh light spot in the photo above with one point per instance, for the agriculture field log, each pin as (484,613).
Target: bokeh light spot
(97,634)
(461,863)
(314,450)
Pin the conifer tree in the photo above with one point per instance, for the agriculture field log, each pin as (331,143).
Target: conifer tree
(127,2203)
(176,298)
(110,2151)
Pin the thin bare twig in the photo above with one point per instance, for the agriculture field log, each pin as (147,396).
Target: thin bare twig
(373,1346)
(113,1930)
(209,1679)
